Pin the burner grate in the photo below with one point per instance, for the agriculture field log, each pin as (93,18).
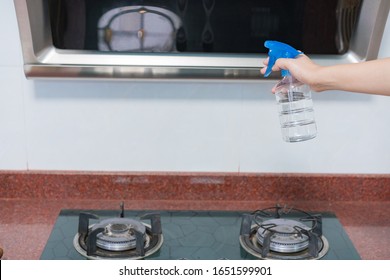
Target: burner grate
(282,233)
(118,238)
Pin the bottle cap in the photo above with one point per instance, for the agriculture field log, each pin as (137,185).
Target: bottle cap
(279,50)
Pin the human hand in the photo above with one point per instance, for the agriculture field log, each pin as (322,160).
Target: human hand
(302,68)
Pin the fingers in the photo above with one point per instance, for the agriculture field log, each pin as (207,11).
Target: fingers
(276,67)
(283,63)
(265,62)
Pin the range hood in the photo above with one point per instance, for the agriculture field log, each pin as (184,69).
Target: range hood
(44,57)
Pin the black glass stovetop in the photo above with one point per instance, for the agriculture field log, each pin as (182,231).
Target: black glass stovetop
(194,235)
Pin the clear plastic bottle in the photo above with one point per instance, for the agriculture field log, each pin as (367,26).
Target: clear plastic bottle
(295,105)
(296,113)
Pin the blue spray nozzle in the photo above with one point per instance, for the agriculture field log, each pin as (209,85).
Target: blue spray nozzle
(279,50)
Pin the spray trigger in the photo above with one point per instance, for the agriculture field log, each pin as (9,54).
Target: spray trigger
(279,50)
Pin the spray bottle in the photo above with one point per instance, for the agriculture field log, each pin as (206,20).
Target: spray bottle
(294,100)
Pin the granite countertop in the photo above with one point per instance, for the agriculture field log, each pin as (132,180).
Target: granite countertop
(31,201)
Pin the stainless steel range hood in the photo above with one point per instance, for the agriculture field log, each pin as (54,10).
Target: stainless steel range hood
(42,59)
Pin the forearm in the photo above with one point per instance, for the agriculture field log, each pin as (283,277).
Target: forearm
(366,77)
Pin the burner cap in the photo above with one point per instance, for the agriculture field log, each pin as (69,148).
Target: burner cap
(286,235)
(118,234)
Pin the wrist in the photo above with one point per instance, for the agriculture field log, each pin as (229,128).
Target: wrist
(323,79)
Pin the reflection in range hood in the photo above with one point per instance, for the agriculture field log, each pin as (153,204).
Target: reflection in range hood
(148,42)
(138,29)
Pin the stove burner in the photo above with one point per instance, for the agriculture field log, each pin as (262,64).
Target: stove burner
(287,237)
(118,238)
(277,233)
(118,234)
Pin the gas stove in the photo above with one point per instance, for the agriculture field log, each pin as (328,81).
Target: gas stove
(272,233)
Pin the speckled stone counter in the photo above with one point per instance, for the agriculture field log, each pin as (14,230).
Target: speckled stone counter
(31,201)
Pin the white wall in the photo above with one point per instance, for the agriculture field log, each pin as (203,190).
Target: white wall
(187,126)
